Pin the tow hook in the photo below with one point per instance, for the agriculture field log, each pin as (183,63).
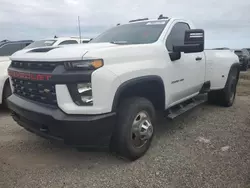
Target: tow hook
(44,129)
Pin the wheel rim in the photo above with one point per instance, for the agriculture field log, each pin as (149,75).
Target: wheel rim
(142,129)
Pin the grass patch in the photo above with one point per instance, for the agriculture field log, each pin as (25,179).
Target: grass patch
(243,88)
(245,75)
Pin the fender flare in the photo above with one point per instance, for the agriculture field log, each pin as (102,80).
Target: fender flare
(132,82)
(4,82)
(235,65)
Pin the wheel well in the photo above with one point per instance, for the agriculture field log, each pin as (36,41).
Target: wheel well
(7,82)
(150,88)
(235,66)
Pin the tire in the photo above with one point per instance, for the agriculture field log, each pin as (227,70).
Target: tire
(226,96)
(6,93)
(128,137)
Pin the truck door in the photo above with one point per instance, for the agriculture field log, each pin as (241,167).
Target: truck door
(186,75)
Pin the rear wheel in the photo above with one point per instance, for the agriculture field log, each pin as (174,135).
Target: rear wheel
(226,96)
(134,130)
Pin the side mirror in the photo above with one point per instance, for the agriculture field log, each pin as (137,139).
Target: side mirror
(193,42)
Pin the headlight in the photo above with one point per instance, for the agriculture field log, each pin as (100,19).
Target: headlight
(84,64)
(81,94)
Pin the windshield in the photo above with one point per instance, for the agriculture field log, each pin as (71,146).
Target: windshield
(238,52)
(40,43)
(135,33)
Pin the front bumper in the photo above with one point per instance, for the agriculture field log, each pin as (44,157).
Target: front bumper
(52,123)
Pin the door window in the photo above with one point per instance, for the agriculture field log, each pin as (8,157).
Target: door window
(177,35)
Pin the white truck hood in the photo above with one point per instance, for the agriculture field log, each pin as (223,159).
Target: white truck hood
(59,53)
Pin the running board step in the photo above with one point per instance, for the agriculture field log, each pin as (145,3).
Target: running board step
(177,110)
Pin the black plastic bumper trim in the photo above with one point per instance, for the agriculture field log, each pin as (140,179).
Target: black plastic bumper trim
(51,123)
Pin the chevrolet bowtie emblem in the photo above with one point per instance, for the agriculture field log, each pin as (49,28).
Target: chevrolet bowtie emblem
(46,90)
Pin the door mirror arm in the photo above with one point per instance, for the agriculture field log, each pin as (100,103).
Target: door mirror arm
(174,55)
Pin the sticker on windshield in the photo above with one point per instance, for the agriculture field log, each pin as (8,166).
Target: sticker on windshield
(156,23)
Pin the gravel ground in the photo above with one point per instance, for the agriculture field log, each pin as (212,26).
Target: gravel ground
(206,147)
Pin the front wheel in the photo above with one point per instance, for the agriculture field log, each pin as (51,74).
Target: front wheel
(134,130)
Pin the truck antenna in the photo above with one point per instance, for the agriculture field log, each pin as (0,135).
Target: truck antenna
(79,27)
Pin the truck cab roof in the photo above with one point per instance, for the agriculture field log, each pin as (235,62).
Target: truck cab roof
(156,20)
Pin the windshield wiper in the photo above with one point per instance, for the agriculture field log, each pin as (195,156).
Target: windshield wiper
(119,42)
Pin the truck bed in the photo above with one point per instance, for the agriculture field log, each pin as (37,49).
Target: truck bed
(217,66)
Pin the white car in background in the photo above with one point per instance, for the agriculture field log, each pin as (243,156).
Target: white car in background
(7,48)
(57,41)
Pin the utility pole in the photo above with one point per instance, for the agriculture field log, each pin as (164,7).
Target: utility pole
(79,26)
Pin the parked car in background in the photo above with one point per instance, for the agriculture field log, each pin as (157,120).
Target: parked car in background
(246,52)
(57,41)
(248,49)
(243,58)
(223,48)
(7,48)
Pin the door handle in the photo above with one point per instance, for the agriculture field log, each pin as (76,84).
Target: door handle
(198,58)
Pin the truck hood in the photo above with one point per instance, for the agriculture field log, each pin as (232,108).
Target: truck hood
(59,53)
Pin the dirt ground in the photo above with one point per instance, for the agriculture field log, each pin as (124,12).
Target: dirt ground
(206,147)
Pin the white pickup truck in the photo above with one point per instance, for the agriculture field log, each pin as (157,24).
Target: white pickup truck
(106,93)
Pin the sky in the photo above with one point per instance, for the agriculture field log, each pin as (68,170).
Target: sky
(226,22)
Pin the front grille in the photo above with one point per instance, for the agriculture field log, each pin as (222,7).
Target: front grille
(36,91)
(46,66)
